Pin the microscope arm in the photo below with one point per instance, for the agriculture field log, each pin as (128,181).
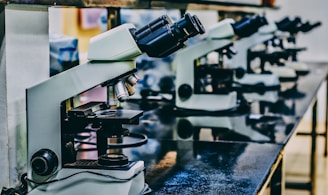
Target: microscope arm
(44,100)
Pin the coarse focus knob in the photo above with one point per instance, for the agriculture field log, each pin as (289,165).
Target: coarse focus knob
(185,91)
(239,73)
(184,129)
(44,162)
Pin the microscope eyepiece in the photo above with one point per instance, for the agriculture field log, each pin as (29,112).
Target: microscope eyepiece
(161,37)
(247,26)
(152,27)
(306,27)
(191,26)
(288,25)
(283,24)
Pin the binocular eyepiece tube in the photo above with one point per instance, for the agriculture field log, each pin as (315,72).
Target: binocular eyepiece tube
(248,26)
(162,37)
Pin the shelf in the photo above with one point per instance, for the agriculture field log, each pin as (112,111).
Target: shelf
(222,5)
(85,3)
(195,4)
(210,5)
(213,2)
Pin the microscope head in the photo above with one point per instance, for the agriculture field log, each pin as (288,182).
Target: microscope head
(287,25)
(292,27)
(306,27)
(249,25)
(228,28)
(159,38)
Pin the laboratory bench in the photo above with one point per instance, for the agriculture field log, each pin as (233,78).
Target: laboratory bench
(236,153)
(197,167)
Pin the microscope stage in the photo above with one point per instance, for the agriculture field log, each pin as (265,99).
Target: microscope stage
(99,111)
(93,164)
(124,116)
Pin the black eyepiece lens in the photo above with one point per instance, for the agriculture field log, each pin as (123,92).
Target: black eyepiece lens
(190,25)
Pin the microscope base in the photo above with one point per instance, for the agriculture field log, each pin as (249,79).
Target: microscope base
(96,181)
(299,67)
(284,73)
(268,96)
(261,82)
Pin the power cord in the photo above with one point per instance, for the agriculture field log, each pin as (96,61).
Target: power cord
(21,189)
(118,180)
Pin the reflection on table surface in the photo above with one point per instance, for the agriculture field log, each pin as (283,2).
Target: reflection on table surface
(191,152)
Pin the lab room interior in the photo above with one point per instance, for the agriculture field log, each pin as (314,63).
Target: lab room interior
(131,97)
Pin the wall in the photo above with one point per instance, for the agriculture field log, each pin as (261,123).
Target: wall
(24,61)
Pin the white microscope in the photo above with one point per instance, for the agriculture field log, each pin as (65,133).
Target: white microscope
(280,54)
(241,59)
(201,85)
(270,59)
(259,83)
(78,150)
(292,28)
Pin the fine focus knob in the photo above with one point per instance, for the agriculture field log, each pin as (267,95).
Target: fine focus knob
(44,162)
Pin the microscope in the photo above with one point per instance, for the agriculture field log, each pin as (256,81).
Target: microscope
(288,43)
(263,50)
(204,86)
(256,80)
(75,149)
(280,53)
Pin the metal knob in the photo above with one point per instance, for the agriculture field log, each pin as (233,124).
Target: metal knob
(44,162)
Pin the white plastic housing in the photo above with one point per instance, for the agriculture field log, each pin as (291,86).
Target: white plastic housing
(269,80)
(87,183)
(282,71)
(115,44)
(221,30)
(270,28)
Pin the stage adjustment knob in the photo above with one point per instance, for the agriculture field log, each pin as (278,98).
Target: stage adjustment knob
(44,162)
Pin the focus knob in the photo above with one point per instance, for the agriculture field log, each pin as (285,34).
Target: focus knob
(44,162)
(239,73)
(184,129)
(185,91)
